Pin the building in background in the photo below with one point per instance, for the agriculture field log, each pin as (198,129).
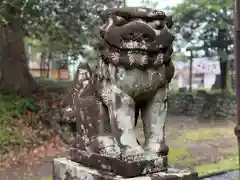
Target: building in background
(204,72)
(42,68)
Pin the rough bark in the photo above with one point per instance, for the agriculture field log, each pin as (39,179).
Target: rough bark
(225,76)
(15,75)
(223,70)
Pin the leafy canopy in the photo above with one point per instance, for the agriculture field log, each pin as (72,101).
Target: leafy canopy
(56,24)
(209,22)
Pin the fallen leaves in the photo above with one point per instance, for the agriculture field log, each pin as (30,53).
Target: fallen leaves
(28,156)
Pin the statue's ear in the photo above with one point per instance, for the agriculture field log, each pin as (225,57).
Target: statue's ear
(103,15)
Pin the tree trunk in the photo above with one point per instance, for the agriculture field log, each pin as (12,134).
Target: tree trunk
(42,70)
(48,69)
(223,71)
(15,75)
(59,73)
(225,76)
(50,56)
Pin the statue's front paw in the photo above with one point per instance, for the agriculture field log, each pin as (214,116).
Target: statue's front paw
(112,151)
(133,150)
(105,145)
(159,148)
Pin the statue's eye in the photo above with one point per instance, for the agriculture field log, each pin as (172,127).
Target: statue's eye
(119,21)
(157,24)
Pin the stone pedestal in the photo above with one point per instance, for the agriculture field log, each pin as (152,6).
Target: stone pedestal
(126,166)
(65,169)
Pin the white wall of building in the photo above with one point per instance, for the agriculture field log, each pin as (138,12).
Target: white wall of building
(210,67)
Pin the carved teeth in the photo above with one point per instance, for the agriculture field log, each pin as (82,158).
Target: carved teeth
(144,46)
(134,45)
(137,52)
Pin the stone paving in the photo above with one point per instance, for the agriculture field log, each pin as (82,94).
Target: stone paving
(232,175)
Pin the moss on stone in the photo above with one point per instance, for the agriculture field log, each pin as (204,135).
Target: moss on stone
(226,164)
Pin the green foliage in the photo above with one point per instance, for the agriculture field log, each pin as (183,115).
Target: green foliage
(60,27)
(10,108)
(212,25)
(209,30)
(202,104)
(226,164)
(8,137)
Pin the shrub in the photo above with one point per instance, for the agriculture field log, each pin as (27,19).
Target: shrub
(11,107)
(202,104)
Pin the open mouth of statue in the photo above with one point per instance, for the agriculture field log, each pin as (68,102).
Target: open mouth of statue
(142,47)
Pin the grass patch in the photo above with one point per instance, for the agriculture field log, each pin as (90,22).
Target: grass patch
(47,178)
(226,164)
(231,151)
(188,161)
(187,138)
(11,107)
(176,154)
(180,157)
(204,134)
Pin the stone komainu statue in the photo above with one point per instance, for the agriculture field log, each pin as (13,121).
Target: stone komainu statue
(134,71)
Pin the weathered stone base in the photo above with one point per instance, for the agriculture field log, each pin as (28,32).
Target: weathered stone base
(65,169)
(126,166)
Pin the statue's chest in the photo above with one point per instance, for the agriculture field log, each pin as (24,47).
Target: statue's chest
(136,82)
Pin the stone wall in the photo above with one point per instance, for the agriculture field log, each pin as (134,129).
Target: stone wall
(202,104)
